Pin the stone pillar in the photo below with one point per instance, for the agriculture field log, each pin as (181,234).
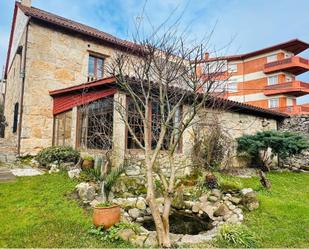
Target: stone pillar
(119,129)
(187,136)
(74,127)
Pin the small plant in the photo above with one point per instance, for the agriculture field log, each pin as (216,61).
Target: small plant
(104,204)
(88,158)
(111,234)
(57,154)
(237,236)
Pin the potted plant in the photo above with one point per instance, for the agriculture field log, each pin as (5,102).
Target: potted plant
(106,214)
(88,162)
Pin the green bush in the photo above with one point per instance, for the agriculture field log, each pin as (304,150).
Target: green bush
(88,158)
(227,184)
(57,154)
(237,236)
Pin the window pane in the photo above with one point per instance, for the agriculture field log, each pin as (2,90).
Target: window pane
(99,68)
(91,66)
(232,86)
(273,103)
(136,123)
(272,80)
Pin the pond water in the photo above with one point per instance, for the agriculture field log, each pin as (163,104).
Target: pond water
(184,223)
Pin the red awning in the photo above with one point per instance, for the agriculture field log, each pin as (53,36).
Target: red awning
(66,102)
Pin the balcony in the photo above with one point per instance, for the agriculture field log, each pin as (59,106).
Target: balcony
(295,65)
(293,110)
(293,88)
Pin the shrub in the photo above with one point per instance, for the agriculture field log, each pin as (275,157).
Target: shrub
(58,154)
(229,184)
(282,144)
(237,236)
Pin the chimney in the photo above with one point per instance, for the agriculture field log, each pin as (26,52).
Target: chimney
(26,3)
(206,56)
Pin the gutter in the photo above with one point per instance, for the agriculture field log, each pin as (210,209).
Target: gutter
(22,90)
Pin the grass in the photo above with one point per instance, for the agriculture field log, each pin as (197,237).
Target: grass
(36,212)
(283,217)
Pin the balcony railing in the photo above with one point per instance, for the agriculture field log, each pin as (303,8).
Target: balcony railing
(295,65)
(294,88)
(298,109)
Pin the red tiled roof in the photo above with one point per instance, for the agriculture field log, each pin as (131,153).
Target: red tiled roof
(75,26)
(232,105)
(295,46)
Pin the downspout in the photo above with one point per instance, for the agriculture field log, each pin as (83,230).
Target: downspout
(22,91)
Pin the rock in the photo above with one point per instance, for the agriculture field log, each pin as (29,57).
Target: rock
(194,239)
(175,238)
(203,198)
(53,168)
(68,165)
(233,219)
(246,190)
(208,209)
(196,207)
(126,203)
(222,210)
(232,207)
(141,204)
(74,173)
(235,200)
(216,192)
(86,192)
(134,213)
(212,198)
(151,240)
(138,240)
(133,170)
(94,203)
(34,163)
(189,204)
(125,234)
(140,219)
(250,201)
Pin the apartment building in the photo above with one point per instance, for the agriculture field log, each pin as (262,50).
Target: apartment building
(264,78)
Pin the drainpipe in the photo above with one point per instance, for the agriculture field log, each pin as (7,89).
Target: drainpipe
(23,74)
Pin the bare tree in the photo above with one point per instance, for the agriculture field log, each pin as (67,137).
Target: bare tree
(165,94)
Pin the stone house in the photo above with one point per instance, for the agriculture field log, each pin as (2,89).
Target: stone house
(52,60)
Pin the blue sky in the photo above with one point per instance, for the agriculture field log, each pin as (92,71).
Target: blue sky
(249,24)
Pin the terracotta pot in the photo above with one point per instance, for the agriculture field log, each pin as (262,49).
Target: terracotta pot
(106,216)
(88,164)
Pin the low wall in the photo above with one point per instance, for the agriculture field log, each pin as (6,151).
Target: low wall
(300,124)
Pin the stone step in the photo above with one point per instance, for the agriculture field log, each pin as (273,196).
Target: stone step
(6,175)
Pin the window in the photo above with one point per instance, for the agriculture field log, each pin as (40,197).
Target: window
(273,80)
(271,58)
(273,103)
(15,117)
(95,129)
(232,68)
(95,68)
(289,101)
(288,78)
(232,86)
(136,124)
(62,128)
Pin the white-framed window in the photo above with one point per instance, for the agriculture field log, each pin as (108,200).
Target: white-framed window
(273,80)
(232,86)
(288,78)
(271,58)
(273,103)
(289,101)
(232,68)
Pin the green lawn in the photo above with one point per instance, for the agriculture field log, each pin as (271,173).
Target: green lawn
(283,217)
(35,212)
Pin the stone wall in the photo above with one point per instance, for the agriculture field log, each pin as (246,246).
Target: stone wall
(300,124)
